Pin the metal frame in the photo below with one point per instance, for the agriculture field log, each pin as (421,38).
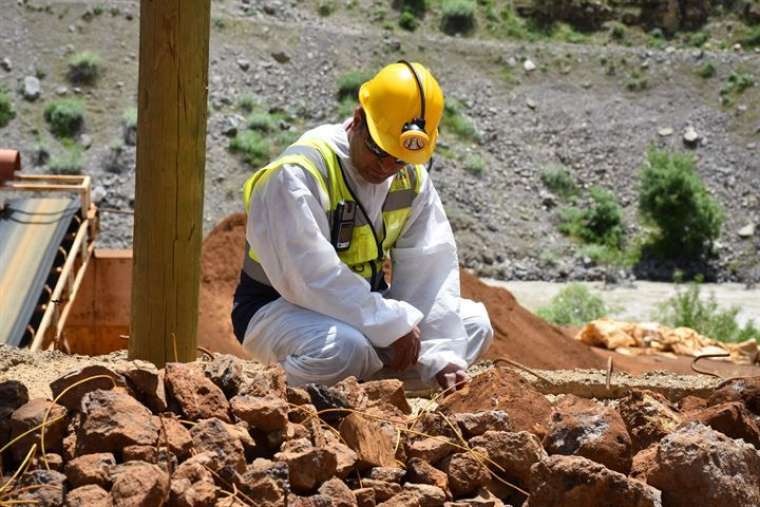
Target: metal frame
(50,330)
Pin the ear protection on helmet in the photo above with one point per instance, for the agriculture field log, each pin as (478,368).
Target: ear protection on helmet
(413,135)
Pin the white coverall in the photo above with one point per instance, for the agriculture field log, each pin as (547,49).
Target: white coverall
(328,324)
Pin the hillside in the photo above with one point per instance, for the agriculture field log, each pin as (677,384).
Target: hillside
(594,107)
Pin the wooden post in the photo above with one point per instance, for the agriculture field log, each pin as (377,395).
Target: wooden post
(171,157)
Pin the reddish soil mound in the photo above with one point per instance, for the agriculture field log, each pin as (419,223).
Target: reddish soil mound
(524,337)
(520,335)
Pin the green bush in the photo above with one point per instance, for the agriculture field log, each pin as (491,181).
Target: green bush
(752,39)
(706,71)
(129,118)
(734,86)
(407,21)
(574,305)
(474,164)
(673,198)
(67,162)
(559,180)
(255,148)
(346,107)
(263,122)
(84,67)
(457,16)
(456,122)
(698,39)
(417,8)
(617,31)
(7,113)
(326,7)
(65,117)
(688,309)
(350,82)
(248,103)
(601,222)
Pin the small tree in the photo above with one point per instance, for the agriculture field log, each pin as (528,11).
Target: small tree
(674,199)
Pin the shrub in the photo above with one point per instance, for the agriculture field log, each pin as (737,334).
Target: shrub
(255,149)
(68,162)
(735,85)
(7,113)
(706,71)
(129,124)
(698,39)
(456,122)
(752,39)
(601,222)
(474,164)
(617,31)
(674,199)
(417,8)
(263,122)
(407,21)
(558,180)
(84,67)
(350,82)
(457,16)
(326,7)
(65,117)
(574,305)
(636,82)
(688,309)
(248,103)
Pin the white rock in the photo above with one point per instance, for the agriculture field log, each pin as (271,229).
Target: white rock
(529,66)
(690,136)
(6,64)
(747,231)
(665,132)
(32,88)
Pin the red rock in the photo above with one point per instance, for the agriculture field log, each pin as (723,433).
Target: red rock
(261,381)
(432,449)
(691,403)
(484,498)
(587,428)
(226,450)
(137,484)
(30,415)
(574,481)
(383,490)
(435,425)
(52,461)
(466,474)
(427,495)
(345,456)
(267,482)
(422,472)
(309,501)
(175,436)
(515,453)
(500,389)
(643,461)
(91,469)
(648,416)
(226,371)
(365,497)
(91,495)
(197,396)
(405,498)
(478,423)
(340,494)
(389,391)
(192,485)
(308,468)
(372,446)
(13,394)
(302,413)
(696,465)
(269,413)
(732,419)
(41,487)
(746,390)
(146,453)
(148,383)
(298,396)
(100,378)
(350,390)
(112,420)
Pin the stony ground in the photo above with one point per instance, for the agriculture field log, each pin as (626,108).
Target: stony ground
(223,432)
(572,110)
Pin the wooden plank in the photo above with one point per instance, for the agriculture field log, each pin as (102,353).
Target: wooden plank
(171,155)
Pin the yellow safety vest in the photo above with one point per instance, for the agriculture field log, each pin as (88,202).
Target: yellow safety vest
(364,255)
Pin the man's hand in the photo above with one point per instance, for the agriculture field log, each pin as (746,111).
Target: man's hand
(406,350)
(451,377)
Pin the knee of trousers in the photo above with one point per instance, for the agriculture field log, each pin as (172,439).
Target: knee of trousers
(349,354)
(480,330)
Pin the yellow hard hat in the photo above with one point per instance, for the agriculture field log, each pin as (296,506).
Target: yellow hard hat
(403,105)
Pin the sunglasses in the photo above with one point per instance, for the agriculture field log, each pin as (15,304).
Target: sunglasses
(374,148)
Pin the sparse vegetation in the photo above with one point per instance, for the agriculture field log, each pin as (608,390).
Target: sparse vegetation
(248,103)
(326,7)
(573,305)
(262,122)
(601,222)
(7,113)
(84,68)
(689,309)
(456,122)
(407,21)
(457,16)
(416,8)
(67,162)
(474,164)
(698,39)
(752,38)
(559,180)
(350,82)
(617,31)
(734,86)
(636,82)
(675,201)
(65,117)
(254,147)
(706,71)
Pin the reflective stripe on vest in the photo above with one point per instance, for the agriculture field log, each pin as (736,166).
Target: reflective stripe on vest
(318,159)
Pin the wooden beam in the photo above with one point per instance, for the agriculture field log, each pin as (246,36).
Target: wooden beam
(171,157)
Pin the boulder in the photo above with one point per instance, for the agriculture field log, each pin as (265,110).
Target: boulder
(587,428)
(340,494)
(648,416)
(91,469)
(269,413)
(466,473)
(373,447)
(197,396)
(389,391)
(89,496)
(32,414)
(308,468)
(137,484)
(575,481)
(515,453)
(696,465)
(732,419)
(746,390)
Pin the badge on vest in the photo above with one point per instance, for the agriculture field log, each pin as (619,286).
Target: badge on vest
(343,225)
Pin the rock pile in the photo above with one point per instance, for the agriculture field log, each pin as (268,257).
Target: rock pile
(224,432)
